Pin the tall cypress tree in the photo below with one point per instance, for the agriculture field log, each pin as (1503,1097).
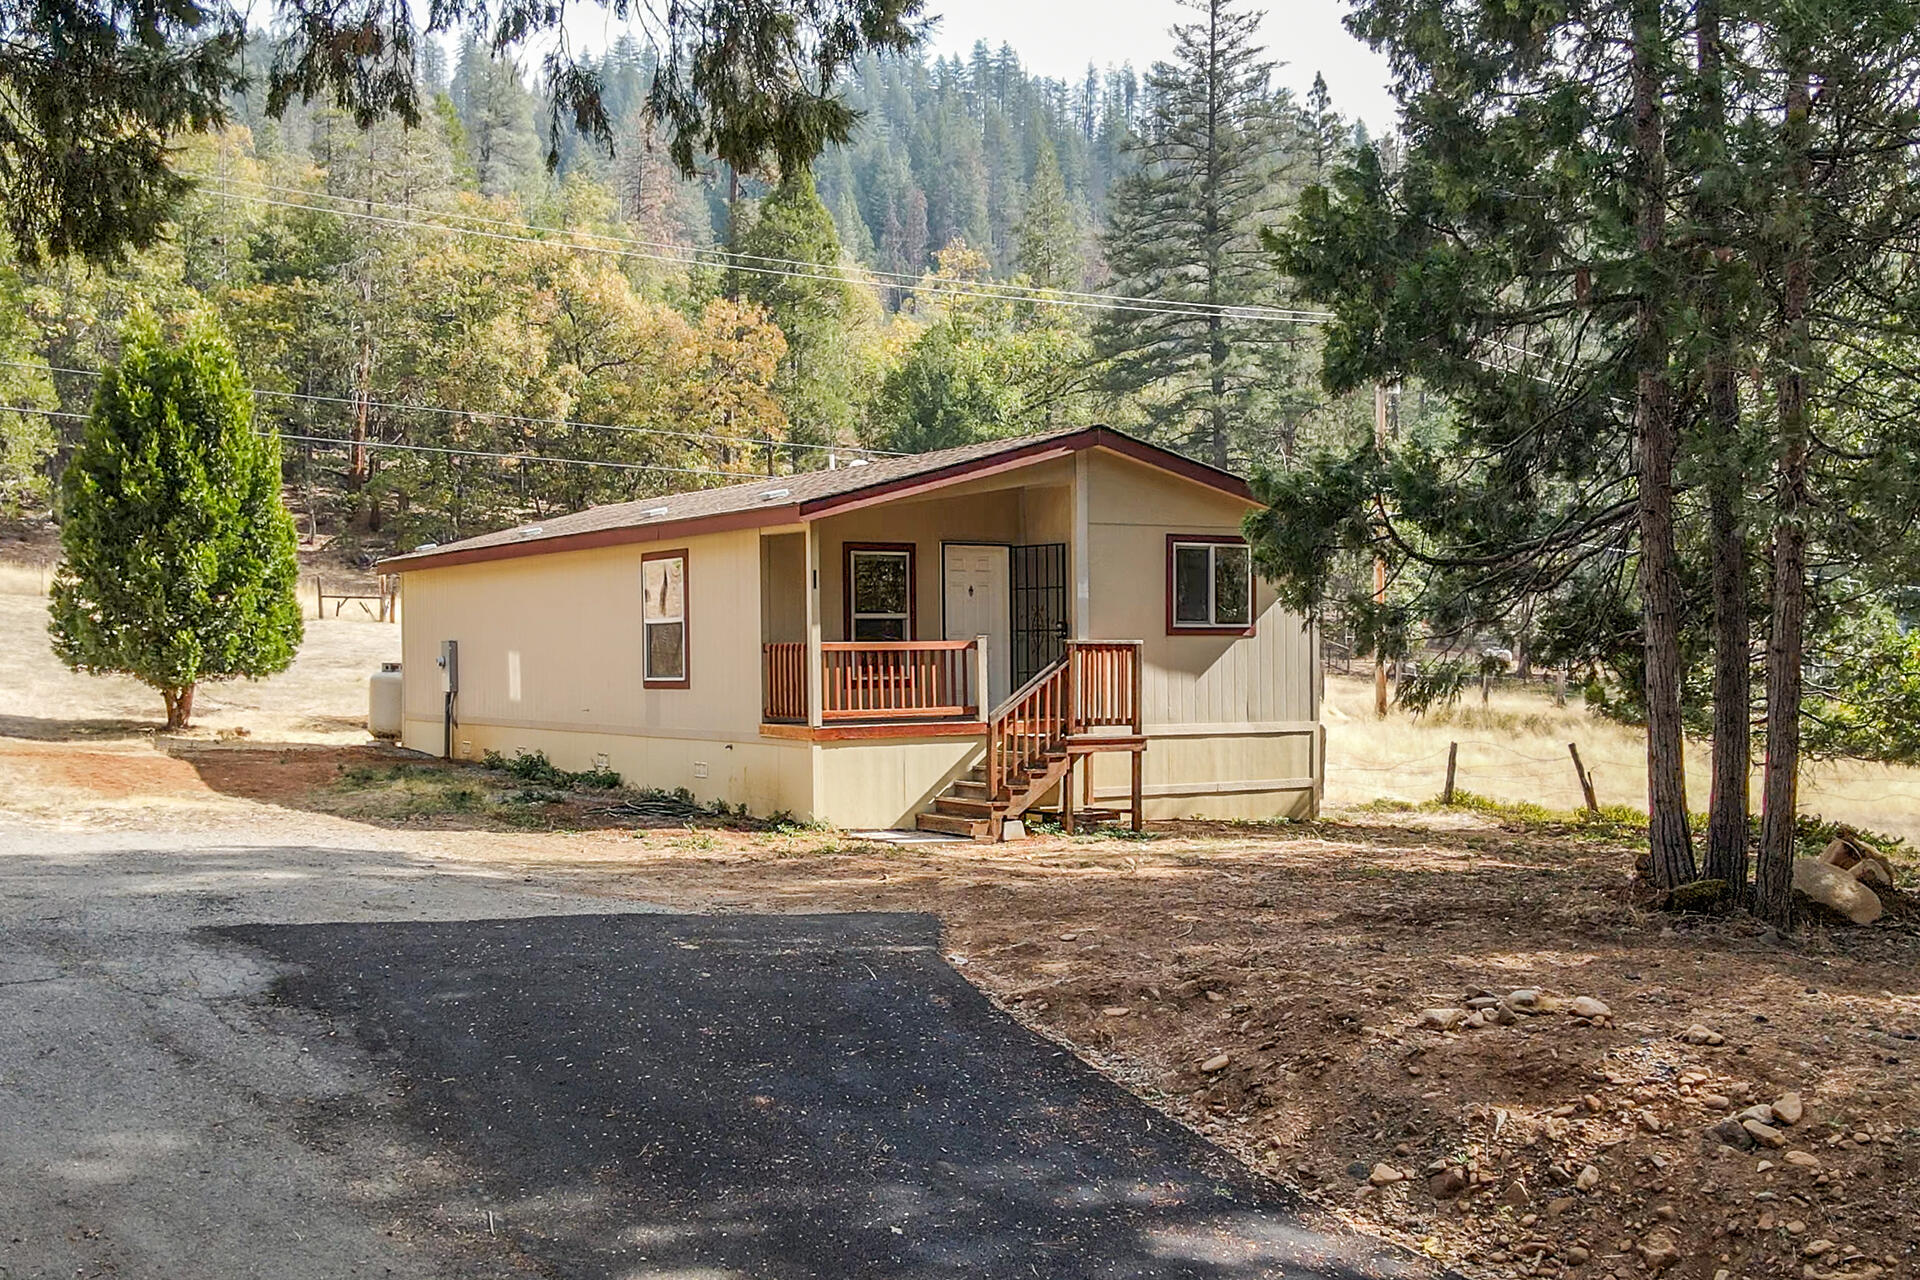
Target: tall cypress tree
(1520,261)
(179,561)
(1184,226)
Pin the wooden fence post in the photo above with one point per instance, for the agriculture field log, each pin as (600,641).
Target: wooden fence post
(1453,753)
(1586,779)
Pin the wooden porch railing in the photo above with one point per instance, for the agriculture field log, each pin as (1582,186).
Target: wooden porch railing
(897,680)
(874,680)
(1106,685)
(1094,684)
(783,682)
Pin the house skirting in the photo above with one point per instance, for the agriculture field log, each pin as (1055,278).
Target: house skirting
(766,775)
(1228,771)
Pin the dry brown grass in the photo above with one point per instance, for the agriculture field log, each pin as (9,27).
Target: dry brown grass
(322,698)
(1514,748)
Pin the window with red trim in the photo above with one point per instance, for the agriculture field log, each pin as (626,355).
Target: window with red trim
(1209,584)
(879,591)
(663,619)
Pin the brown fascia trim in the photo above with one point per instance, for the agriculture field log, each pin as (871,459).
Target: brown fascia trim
(885,491)
(1027,455)
(587,540)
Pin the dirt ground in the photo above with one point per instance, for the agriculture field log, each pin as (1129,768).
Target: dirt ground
(1265,985)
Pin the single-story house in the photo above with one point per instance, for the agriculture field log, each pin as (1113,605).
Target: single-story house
(941,640)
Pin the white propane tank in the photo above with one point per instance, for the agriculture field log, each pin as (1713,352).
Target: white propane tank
(383,701)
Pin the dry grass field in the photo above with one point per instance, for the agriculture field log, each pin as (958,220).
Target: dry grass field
(1514,749)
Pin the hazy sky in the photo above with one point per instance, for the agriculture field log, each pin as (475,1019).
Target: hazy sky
(1059,37)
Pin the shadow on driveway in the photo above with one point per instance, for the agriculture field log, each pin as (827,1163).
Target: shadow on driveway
(782,1096)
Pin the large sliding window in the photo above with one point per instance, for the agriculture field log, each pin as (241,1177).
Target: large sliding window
(663,619)
(1209,585)
(879,587)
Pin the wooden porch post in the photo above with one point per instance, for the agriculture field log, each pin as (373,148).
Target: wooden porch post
(1078,552)
(982,686)
(1066,795)
(1139,813)
(812,586)
(1139,722)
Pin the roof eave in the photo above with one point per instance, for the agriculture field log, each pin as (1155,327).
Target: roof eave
(884,491)
(622,535)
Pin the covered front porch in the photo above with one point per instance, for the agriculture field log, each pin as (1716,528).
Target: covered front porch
(960,615)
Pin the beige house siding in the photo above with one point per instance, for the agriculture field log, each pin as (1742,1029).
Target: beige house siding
(1231,719)
(550,661)
(885,782)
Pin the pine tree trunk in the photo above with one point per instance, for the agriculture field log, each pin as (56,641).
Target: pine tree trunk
(1217,363)
(1669,840)
(1727,812)
(1773,884)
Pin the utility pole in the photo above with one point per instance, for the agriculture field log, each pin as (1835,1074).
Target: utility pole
(1379,561)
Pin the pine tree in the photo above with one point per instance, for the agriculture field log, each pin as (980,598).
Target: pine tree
(497,113)
(1004,188)
(1325,130)
(1184,226)
(179,557)
(1049,236)
(1517,259)
(815,309)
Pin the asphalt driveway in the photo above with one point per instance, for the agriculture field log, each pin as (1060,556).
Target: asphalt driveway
(776,1096)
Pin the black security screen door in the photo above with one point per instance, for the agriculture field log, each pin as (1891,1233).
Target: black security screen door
(1039,589)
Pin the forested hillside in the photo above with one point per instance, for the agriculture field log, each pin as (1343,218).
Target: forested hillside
(453,333)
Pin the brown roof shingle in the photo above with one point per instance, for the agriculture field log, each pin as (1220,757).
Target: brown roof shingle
(786,499)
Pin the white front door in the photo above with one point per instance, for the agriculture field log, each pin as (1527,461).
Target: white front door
(978,604)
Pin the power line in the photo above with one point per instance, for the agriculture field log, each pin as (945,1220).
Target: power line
(402,407)
(742,477)
(1178,309)
(685,255)
(688,255)
(45,413)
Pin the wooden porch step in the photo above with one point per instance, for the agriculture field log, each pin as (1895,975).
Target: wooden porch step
(948,824)
(963,806)
(970,789)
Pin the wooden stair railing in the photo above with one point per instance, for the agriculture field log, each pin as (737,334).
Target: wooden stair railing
(1026,729)
(1036,737)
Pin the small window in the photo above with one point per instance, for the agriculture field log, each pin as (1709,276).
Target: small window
(1209,585)
(879,593)
(663,619)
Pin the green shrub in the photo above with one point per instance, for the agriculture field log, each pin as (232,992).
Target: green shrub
(533,766)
